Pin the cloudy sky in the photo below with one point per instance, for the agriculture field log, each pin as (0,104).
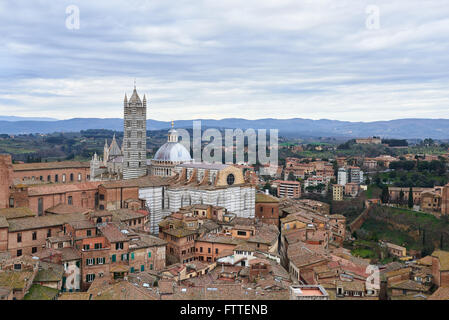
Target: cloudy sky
(314,59)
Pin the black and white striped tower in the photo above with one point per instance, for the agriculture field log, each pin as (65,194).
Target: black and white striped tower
(134,136)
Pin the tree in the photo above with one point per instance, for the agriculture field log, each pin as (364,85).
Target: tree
(291,177)
(401,197)
(385,194)
(410,198)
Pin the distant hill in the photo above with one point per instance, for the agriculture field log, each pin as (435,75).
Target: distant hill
(13,118)
(296,127)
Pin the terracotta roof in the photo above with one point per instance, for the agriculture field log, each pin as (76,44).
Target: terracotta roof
(409,285)
(41,222)
(426,261)
(265,198)
(15,279)
(443,257)
(3,222)
(82,224)
(15,213)
(75,296)
(127,214)
(49,272)
(113,233)
(50,165)
(121,290)
(44,189)
(146,181)
(442,293)
(63,208)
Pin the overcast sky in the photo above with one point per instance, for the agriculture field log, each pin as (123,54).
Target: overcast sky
(317,59)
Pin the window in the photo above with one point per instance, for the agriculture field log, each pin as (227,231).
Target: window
(17,266)
(71,177)
(19,252)
(19,237)
(11,202)
(63,177)
(56,178)
(86,247)
(151,266)
(119,246)
(60,245)
(132,255)
(34,235)
(101,207)
(90,261)
(216,250)
(241,233)
(113,258)
(142,268)
(79,176)
(101,260)
(89,233)
(98,246)
(70,200)
(149,254)
(90,277)
(40,206)
(33,249)
(132,270)
(48,233)
(49,178)
(230,179)
(201,249)
(208,250)
(124,257)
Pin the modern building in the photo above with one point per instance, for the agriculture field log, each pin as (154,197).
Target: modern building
(288,189)
(337,192)
(342,176)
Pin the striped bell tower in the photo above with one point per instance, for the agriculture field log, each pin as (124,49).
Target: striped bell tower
(134,136)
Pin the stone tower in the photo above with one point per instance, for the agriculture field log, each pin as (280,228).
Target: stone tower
(134,136)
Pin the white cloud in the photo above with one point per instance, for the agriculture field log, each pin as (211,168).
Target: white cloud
(214,59)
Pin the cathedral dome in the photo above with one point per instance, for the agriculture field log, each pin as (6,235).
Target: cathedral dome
(172,151)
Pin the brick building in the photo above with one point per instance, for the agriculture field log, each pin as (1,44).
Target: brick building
(267,209)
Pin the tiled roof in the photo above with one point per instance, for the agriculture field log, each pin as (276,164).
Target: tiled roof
(75,296)
(15,213)
(82,224)
(41,222)
(442,293)
(113,233)
(49,272)
(38,292)
(3,222)
(409,285)
(15,279)
(63,208)
(265,198)
(44,189)
(127,214)
(146,181)
(50,165)
(443,257)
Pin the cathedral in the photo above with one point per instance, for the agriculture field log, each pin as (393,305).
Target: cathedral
(169,155)
(169,181)
(129,161)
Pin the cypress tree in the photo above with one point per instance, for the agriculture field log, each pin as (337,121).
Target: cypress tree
(410,198)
